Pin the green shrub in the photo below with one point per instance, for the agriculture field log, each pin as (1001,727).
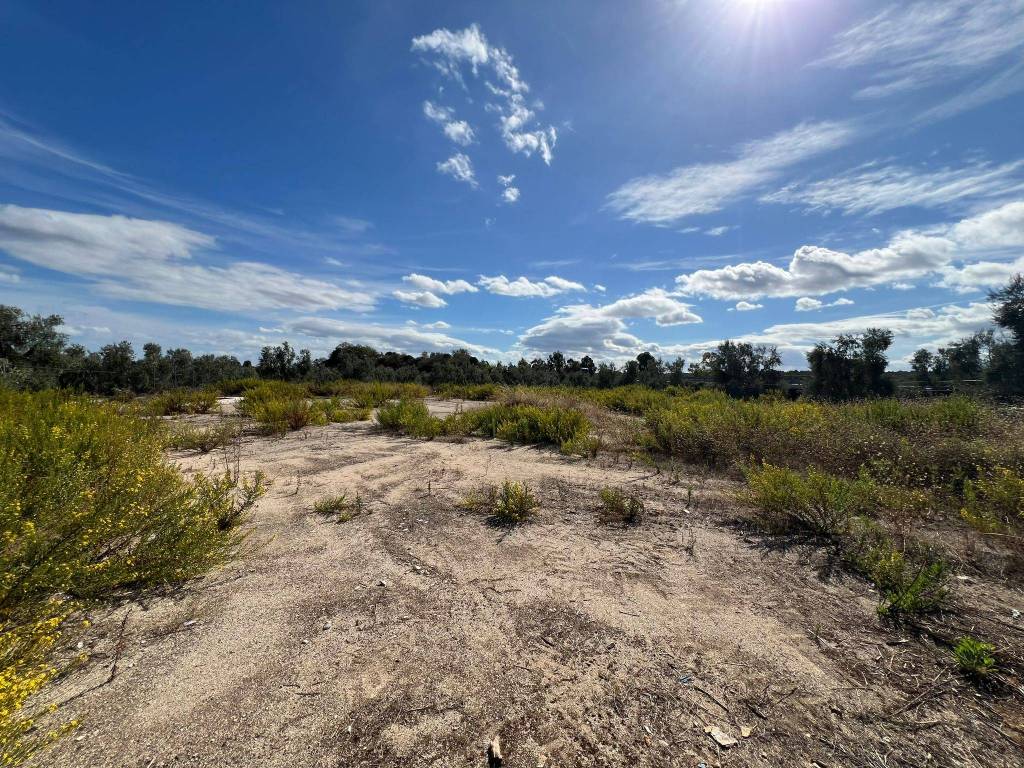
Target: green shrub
(620,507)
(532,425)
(974,657)
(188,437)
(278,407)
(467,391)
(815,501)
(178,401)
(369,394)
(409,417)
(910,581)
(511,503)
(339,506)
(336,412)
(235,387)
(90,507)
(994,501)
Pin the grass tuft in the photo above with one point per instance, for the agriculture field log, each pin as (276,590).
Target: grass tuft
(975,658)
(509,504)
(624,508)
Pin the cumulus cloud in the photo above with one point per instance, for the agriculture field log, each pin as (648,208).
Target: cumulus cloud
(746,306)
(909,255)
(909,46)
(425,283)
(523,287)
(453,51)
(708,187)
(424,299)
(402,338)
(602,330)
(875,189)
(460,168)
(510,194)
(149,260)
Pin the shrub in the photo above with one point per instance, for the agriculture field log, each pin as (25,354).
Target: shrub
(339,506)
(995,501)
(974,657)
(910,581)
(336,412)
(511,503)
(178,401)
(531,424)
(620,507)
(468,391)
(90,507)
(235,387)
(188,437)
(279,407)
(811,500)
(374,394)
(409,417)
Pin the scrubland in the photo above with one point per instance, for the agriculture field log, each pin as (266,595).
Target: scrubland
(374,574)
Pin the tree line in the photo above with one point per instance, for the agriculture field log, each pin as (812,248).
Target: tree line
(35,354)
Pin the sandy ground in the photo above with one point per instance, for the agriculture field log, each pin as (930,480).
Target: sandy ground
(415,633)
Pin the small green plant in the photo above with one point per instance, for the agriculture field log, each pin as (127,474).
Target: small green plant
(339,506)
(620,507)
(511,503)
(995,500)
(974,657)
(910,580)
(409,417)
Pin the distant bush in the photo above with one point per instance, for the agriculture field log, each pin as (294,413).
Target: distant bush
(181,401)
(620,507)
(188,437)
(369,394)
(467,391)
(974,657)
(511,503)
(89,507)
(235,387)
(409,417)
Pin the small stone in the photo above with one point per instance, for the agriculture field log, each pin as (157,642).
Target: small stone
(327,626)
(745,731)
(382,583)
(722,739)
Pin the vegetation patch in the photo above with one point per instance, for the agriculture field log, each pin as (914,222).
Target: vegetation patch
(181,401)
(468,391)
(88,508)
(975,658)
(340,507)
(510,503)
(620,507)
(188,437)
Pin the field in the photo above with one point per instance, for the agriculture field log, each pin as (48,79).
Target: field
(632,586)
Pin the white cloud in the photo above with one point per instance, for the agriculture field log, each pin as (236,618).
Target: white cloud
(510,194)
(602,330)
(506,181)
(873,189)
(424,299)
(402,338)
(523,287)
(708,187)
(599,288)
(458,131)
(746,306)
(815,270)
(353,225)
(717,231)
(915,45)
(451,50)
(460,168)
(425,283)
(9,276)
(807,304)
(153,261)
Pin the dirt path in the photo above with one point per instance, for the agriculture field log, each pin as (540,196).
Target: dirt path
(417,631)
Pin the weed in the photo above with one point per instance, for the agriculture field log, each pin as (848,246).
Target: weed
(994,501)
(409,417)
(178,401)
(625,508)
(511,503)
(974,657)
(339,506)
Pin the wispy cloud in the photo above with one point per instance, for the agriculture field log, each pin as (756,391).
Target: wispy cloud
(708,187)
(874,189)
(522,287)
(807,304)
(460,168)
(459,131)
(402,338)
(815,270)
(451,52)
(155,261)
(920,44)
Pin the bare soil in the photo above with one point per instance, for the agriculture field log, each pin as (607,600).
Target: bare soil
(416,632)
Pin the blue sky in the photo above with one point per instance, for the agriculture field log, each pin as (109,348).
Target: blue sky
(511,177)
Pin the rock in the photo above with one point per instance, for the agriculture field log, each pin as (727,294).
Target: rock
(721,738)
(494,758)
(327,626)
(745,731)
(382,583)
